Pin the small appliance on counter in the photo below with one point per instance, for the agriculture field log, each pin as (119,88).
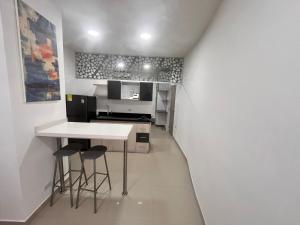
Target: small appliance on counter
(81,108)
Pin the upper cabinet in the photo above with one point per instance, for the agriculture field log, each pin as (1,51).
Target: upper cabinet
(113,89)
(146,91)
(142,91)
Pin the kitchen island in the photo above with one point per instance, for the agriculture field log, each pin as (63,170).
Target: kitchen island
(139,137)
(63,129)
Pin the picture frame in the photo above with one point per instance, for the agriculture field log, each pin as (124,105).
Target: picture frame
(39,55)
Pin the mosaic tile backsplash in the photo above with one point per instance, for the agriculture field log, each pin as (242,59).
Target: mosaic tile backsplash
(117,67)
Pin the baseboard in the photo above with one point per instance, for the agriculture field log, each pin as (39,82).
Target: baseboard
(187,162)
(31,216)
(28,220)
(13,223)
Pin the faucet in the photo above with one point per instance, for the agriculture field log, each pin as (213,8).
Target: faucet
(108,109)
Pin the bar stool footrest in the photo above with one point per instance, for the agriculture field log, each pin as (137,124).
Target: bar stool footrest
(106,176)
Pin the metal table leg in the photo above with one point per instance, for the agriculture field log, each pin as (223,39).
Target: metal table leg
(61,167)
(125,169)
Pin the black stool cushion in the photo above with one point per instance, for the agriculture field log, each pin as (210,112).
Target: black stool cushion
(68,150)
(92,154)
(65,152)
(98,148)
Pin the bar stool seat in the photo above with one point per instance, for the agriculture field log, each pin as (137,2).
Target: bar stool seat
(92,154)
(98,148)
(64,152)
(68,150)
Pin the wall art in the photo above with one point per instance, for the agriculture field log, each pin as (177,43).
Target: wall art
(39,55)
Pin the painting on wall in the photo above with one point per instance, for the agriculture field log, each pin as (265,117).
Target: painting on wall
(39,55)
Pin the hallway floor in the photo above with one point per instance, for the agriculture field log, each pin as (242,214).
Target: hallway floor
(159,185)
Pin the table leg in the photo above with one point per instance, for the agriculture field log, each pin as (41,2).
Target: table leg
(125,169)
(61,167)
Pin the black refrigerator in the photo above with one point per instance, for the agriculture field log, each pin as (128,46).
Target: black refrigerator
(81,108)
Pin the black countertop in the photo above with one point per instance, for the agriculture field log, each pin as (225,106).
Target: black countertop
(116,116)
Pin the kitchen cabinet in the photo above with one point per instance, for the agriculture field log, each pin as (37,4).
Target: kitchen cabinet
(146,91)
(165,104)
(138,139)
(113,89)
(142,91)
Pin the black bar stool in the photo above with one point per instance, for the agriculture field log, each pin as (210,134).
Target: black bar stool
(93,154)
(66,151)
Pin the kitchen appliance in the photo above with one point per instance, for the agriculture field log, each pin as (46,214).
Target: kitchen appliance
(81,108)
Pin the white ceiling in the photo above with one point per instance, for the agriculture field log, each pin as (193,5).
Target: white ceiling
(175,25)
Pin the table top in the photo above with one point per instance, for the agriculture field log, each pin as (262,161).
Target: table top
(107,131)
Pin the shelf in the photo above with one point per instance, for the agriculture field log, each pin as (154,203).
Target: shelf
(101,83)
(161,119)
(162,90)
(161,111)
(130,83)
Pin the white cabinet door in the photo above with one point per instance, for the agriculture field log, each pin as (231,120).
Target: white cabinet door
(143,127)
(132,145)
(142,147)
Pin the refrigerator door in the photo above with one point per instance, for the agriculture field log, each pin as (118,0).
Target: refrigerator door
(91,108)
(80,109)
(76,108)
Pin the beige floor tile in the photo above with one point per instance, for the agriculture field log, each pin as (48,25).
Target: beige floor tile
(159,185)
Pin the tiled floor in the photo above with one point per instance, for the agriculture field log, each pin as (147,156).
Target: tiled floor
(160,192)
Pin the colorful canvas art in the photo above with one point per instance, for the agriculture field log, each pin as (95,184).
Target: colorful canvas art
(39,55)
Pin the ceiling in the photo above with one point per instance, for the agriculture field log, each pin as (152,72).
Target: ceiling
(175,26)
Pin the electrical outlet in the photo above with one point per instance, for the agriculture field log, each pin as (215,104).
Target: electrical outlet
(129,110)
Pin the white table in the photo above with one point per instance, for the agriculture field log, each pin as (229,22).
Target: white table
(107,131)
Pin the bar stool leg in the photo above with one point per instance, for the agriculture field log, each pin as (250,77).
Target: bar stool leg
(107,171)
(95,191)
(60,166)
(79,185)
(70,182)
(85,177)
(61,172)
(53,182)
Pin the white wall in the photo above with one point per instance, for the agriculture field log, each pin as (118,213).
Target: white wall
(237,114)
(74,85)
(33,161)
(69,63)
(9,173)
(87,87)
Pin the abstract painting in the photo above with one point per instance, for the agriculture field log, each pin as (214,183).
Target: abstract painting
(39,55)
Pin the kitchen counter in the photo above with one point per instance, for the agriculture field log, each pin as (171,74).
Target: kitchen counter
(107,131)
(139,138)
(114,116)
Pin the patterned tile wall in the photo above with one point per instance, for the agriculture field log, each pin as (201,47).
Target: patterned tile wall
(100,66)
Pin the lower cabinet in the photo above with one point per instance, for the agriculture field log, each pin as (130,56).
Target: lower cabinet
(142,147)
(138,141)
(142,138)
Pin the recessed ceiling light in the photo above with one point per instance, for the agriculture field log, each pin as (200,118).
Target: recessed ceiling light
(147,66)
(145,36)
(93,33)
(121,65)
